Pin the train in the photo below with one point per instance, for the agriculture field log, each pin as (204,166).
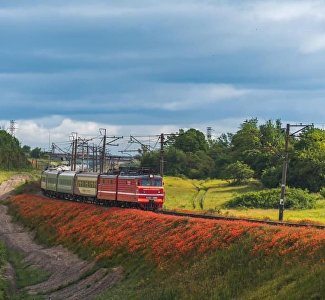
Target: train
(131,190)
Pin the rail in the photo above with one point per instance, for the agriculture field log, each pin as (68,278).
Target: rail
(218,217)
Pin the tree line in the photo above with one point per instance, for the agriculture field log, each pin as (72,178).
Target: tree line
(255,150)
(12,155)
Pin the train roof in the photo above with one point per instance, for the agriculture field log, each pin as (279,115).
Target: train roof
(129,176)
(52,171)
(67,174)
(87,174)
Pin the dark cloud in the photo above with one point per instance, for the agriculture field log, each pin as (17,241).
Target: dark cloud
(153,62)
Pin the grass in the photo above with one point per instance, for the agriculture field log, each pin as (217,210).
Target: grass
(5,175)
(317,214)
(237,270)
(211,195)
(201,194)
(3,283)
(25,276)
(231,273)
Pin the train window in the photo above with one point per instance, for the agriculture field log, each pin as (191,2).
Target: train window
(86,184)
(151,182)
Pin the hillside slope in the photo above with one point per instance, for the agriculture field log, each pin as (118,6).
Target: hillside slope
(165,257)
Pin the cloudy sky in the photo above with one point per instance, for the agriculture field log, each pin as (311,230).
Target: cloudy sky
(144,67)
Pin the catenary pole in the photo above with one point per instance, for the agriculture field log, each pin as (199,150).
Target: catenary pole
(284,173)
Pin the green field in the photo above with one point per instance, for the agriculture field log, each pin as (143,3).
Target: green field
(210,195)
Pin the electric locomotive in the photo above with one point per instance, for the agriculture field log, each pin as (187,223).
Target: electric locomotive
(138,190)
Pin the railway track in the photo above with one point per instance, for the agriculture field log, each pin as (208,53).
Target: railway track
(214,217)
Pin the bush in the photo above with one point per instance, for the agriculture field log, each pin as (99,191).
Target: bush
(322,192)
(271,177)
(239,172)
(295,198)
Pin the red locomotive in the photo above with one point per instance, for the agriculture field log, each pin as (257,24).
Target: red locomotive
(145,191)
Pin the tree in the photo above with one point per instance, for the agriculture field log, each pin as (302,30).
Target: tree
(239,172)
(191,140)
(271,177)
(150,160)
(219,151)
(11,154)
(26,149)
(199,165)
(176,161)
(307,163)
(36,152)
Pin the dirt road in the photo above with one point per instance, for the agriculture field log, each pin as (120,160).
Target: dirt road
(71,277)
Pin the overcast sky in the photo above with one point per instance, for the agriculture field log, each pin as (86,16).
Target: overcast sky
(139,67)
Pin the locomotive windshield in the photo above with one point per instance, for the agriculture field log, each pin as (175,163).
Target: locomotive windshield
(151,182)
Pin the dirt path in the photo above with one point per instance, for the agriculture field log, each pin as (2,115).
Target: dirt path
(71,277)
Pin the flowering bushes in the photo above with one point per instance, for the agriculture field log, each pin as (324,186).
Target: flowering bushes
(163,239)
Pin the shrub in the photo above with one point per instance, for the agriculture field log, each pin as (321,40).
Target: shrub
(322,192)
(271,177)
(295,198)
(239,172)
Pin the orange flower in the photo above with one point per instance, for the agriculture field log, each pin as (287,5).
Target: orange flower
(165,239)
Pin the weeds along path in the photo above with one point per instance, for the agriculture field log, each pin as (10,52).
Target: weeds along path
(70,277)
(8,186)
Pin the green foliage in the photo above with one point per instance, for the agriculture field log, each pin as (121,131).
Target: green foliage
(176,161)
(232,273)
(3,283)
(191,140)
(259,147)
(36,152)
(199,165)
(239,172)
(150,160)
(307,166)
(271,177)
(322,192)
(26,149)
(25,275)
(11,154)
(295,198)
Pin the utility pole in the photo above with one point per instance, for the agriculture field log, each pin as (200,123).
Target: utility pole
(93,157)
(285,163)
(96,149)
(72,152)
(209,133)
(87,145)
(75,152)
(162,140)
(51,153)
(102,164)
(82,155)
(284,173)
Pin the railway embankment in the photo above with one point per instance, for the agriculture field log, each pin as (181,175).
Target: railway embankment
(34,271)
(170,257)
